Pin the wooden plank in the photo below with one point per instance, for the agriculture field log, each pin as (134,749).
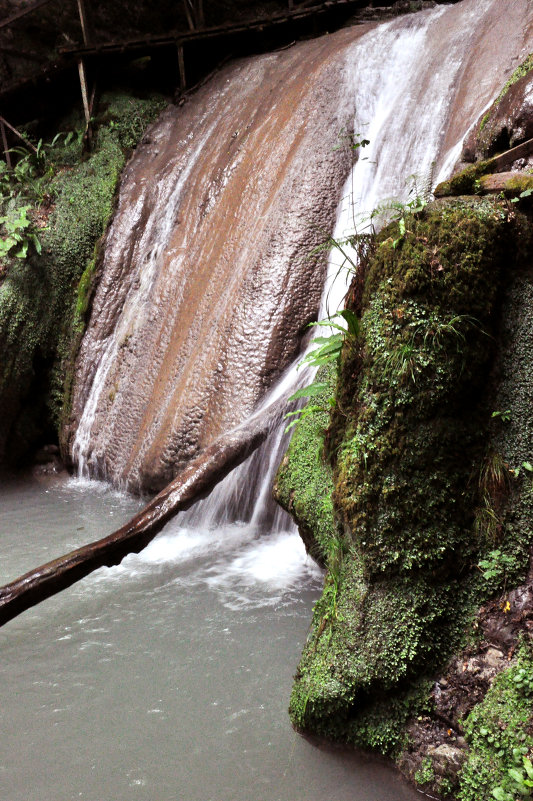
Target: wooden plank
(28,10)
(524,150)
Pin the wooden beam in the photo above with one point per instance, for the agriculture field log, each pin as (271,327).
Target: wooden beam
(188,14)
(19,14)
(200,14)
(18,133)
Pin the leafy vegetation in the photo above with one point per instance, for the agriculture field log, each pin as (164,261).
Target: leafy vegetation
(499,735)
(20,234)
(44,295)
(406,437)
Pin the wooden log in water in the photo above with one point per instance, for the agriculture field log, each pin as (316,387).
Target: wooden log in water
(200,475)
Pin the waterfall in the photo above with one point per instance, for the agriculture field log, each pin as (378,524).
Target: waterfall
(211,259)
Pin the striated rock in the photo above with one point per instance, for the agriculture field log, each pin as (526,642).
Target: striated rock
(212,266)
(509,120)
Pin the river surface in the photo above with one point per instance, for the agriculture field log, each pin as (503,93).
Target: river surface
(167,677)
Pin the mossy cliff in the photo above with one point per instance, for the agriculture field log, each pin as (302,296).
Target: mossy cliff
(44,297)
(418,490)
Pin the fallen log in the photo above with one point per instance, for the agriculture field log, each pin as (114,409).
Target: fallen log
(200,475)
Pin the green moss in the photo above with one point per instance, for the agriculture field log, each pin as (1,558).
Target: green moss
(499,730)
(44,299)
(525,67)
(410,429)
(425,774)
(519,183)
(484,121)
(304,483)
(466,181)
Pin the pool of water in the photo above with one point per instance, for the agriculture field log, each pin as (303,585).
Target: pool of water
(167,677)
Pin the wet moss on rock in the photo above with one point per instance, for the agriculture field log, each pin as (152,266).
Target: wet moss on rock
(44,299)
(465,182)
(407,443)
(304,482)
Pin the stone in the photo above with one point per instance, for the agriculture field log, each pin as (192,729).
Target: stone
(447,759)
(494,657)
(508,122)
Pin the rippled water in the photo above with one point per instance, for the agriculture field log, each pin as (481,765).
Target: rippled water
(167,677)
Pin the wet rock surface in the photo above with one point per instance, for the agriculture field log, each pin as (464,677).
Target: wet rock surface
(508,122)
(209,277)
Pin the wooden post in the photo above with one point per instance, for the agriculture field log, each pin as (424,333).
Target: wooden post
(188,14)
(4,145)
(84,90)
(181,65)
(200,18)
(86,22)
(291,5)
(88,39)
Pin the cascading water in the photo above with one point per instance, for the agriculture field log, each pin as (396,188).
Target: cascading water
(394,75)
(207,276)
(207,280)
(168,676)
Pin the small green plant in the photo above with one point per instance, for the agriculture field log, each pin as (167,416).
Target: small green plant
(353,140)
(328,351)
(505,416)
(524,194)
(394,210)
(494,485)
(19,234)
(522,783)
(425,773)
(496,566)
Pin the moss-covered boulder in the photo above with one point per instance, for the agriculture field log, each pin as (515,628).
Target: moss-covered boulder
(408,445)
(465,182)
(44,297)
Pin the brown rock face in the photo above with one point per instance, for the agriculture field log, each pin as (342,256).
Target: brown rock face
(209,277)
(508,122)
